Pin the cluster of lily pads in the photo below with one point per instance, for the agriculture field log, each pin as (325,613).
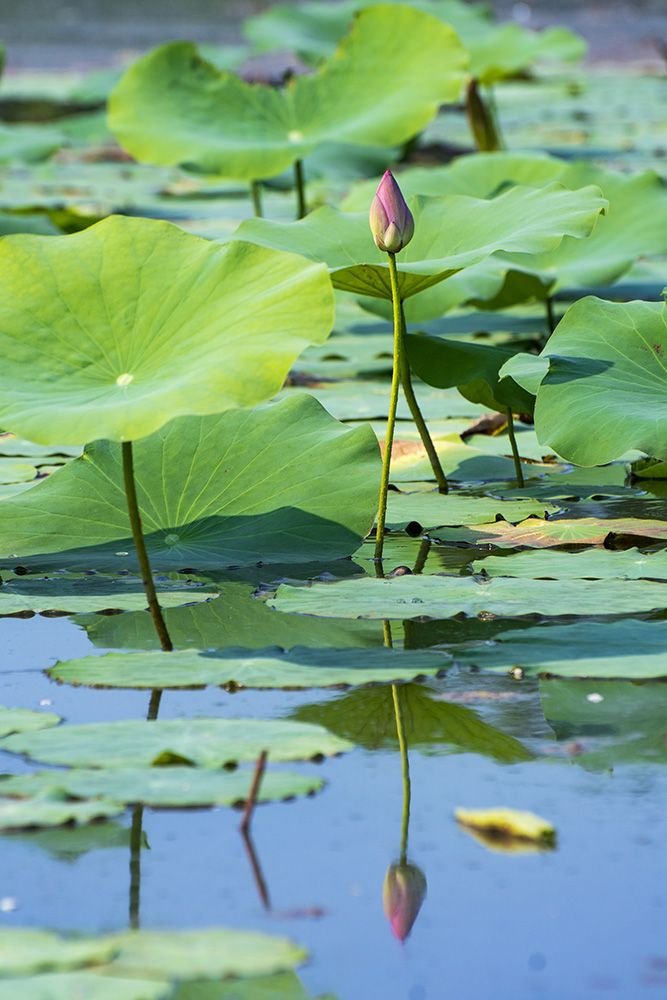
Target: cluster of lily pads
(160,447)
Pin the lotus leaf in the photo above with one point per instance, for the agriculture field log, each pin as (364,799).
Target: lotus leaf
(537,533)
(173,107)
(432,509)
(215,490)
(591,564)
(177,787)
(439,597)
(25,951)
(451,233)
(606,370)
(112,332)
(87,985)
(200,742)
(54,807)
(244,668)
(92,593)
(22,720)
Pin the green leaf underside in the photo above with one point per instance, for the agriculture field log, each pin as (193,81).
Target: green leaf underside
(451,233)
(22,720)
(113,331)
(54,808)
(176,787)
(591,564)
(173,107)
(87,985)
(607,370)
(631,649)
(199,742)
(536,533)
(92,593)
(440,597)
(262,668)
(247,485)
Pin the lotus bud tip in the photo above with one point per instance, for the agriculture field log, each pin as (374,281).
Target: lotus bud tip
(392,224)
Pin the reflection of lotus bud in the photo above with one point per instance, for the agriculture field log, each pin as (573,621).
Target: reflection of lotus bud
(402,897)
(391,220)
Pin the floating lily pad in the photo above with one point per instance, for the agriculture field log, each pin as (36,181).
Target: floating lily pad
(440,597)
(113,331)
(604,367)
(87,985)
(234,488)
(537,533)
(282,987)
(431,509)
(176,787)
(54,807)
(245,668)
(22,720)
(92,593)
(451,233)
(173,107)
(498,52)
(591,564)
(198,742)
(25,951)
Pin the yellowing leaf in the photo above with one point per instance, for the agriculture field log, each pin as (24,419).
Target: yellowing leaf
(509,830)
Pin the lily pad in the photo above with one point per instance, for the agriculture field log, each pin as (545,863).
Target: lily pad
(25,951)
(591,564)
(227,489)
(300,667)
(175,787)
(22,720)
(92,593)
(54,807)
(431,509)
(439,597)
(173,107)
(198,742)
(451,233)
(113,331)
(633,649)
(537,533)
(86,985)
(605,370)
(285,986)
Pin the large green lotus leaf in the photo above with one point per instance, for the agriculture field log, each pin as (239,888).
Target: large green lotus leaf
(285,986)
(633,649)
(245,668)
(175,787)
(367,717)
(604,391)
(174,107)
(501,51)
(26,951)
(92,593)
(200,742)
(431,509)
(609,722)
(83,985)
(440,597)
(54,807)
(112,332)
(312,29)
(537,533)
(234,619)
(247,485)
(22,720)
(591,564)
(451,232)
(472,368)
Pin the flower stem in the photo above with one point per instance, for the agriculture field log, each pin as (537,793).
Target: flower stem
(140,546)
(420,423)
(403,745)
(256,193)
(393,404)
(515,450)
(301,209)
(551,323)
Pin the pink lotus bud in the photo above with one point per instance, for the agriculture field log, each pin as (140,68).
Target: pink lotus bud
(391,220)
(403,894)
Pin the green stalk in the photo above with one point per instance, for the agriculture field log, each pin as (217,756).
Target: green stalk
(420,423)
(136,837)
(301,209)
(154,705)
(256,193)
(515,450)
(482,119)
(393,404)
(403,744)
(140,546)
(551,324)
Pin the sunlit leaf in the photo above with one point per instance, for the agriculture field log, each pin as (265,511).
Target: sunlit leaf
(84,985)
(431,509)
(502,825)
(112,332)
(25,951)
(537,533)
(591,564)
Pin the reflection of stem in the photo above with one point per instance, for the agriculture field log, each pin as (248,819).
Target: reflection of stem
(254,791)
(515,450)
(256,192)
(256,870)
(154,704)
(301,209)
(403,744)
(393,404)
(140,546)
(422,555)
(136,834)
(420,423)
(551,323)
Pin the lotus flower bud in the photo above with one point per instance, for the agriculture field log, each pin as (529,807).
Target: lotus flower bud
(391,220)
(403,894)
